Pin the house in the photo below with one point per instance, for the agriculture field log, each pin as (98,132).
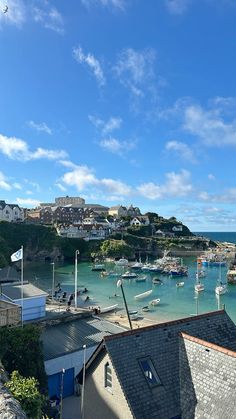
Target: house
(11,212)
(178,369)
(63,348)
(142,220)
(177,228)
(118,211)
(133,211)
(34,299)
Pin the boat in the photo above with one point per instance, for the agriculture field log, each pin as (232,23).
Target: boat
(157,281)
(122,262)
(137,265)
(98,267)
(221,288)
(134,316)
(141,278)
(129,275)
(107,309)
(155,302)
(114,296)
(179,284)
(143,295)
(146,308)
(113,273)
(104,273)
(198,286)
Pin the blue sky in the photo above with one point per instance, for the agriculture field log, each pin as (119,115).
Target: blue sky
(120,102)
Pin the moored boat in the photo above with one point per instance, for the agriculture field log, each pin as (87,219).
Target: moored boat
(141,278)
(146,308)
(221,289)
(107,309)
(155,302)
(122,262)
(179,284)
(98,267)
(143,295)
(157,281)
(129,275)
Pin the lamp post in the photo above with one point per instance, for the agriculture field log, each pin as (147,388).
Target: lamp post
(53,280)
(76,275)
(83,384)
(61,390)
(120,284)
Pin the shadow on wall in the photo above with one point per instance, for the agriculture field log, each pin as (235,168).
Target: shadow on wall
(188,400)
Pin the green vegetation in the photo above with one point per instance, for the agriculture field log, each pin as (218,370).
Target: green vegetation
(26,391)
(115,249)
(21,350)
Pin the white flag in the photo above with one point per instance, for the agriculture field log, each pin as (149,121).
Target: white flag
(17,255)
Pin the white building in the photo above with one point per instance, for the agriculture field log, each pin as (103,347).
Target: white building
(11,212)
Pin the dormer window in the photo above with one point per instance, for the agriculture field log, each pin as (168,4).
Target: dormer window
(108,376)
(149,372)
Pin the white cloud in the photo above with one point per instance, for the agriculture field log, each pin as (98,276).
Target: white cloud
(92,62)
(17,149)
(61,187)
(15,15)
(4,182)
(150,190)
(177,7)
(116,4)
(211,128)
(17,185)
(108,126)
(211,176)
(28,202)
(182,149)
(83,177)
(136,66)
(41,127)
(117,147)
(49,17)
(176,185)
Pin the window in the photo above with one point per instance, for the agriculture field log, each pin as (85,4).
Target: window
(108,376)
(149,372)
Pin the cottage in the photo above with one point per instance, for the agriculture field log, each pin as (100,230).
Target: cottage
(178,369)
(177,228)
(140,221)
(11,212)
(63,348)
(34,299)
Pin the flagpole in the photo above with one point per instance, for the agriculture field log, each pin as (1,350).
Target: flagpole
(22,285)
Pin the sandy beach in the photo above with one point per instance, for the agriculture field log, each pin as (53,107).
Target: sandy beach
(122,320)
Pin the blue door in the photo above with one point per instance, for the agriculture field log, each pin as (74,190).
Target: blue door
(56,383)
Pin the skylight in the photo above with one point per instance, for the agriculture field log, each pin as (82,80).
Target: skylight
(149,372)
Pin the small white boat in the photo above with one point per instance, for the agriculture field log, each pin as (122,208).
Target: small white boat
(137,265)
(199,287)
(122,262)
(134,316)
(155,302)
(143,295)
(129,275)
(221,289)
(109,308)
(146,308)
(157,281)
(179,284)
(113,273)
(141,278)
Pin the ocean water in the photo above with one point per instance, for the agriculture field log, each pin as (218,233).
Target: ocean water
(219,236)
(175,302)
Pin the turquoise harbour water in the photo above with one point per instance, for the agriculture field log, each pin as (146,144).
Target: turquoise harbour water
(175,302)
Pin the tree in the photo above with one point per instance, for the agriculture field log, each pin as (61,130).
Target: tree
(25,390)
(116,248)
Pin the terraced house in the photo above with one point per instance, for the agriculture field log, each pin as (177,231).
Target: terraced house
(179,369)
(11,212)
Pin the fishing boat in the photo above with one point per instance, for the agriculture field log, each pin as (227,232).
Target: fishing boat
(146,308)
(137,266)
(122,262)
(155,302)
(129,275)
(179,284)
(157,281)
(143,295)
(141,278)
(107,309)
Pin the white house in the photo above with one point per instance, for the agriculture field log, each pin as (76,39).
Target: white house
(177,228)
(140,221)
(11,212)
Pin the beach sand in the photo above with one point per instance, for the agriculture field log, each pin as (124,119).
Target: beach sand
(122,320)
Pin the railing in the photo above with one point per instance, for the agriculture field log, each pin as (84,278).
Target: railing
(10,314)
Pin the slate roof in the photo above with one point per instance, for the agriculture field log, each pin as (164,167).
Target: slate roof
(161,343)
(9,274)
(70,336)
(13,291)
